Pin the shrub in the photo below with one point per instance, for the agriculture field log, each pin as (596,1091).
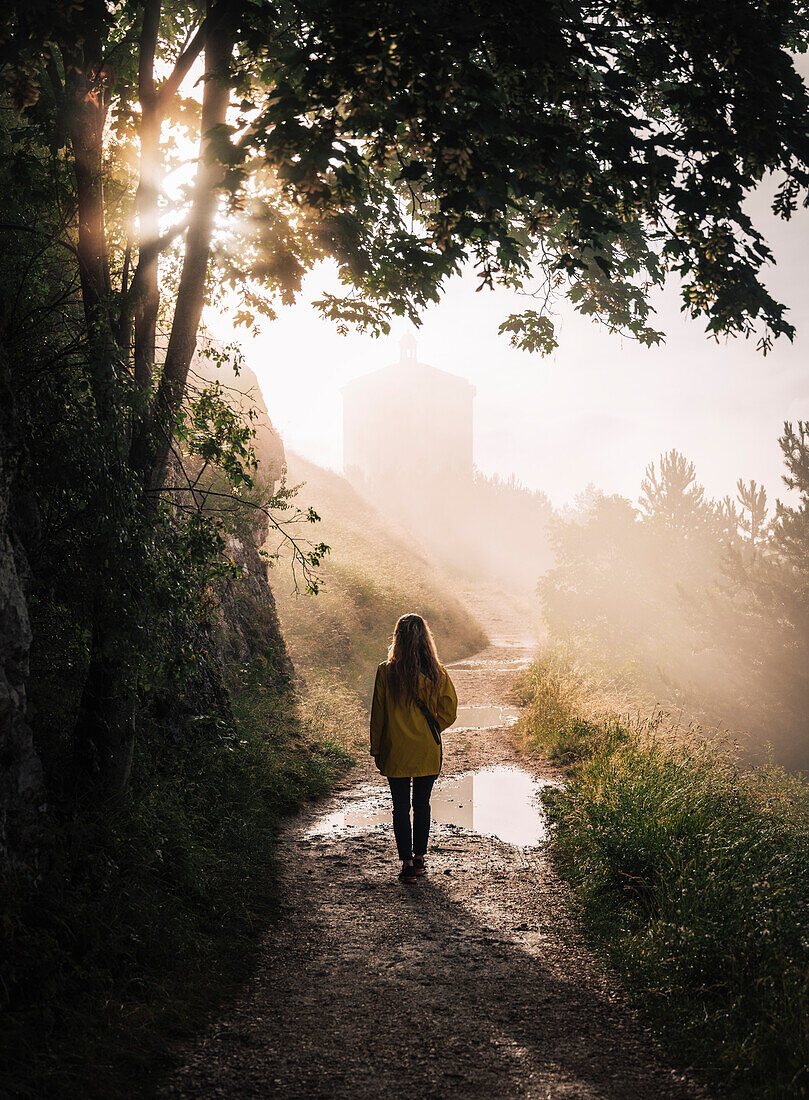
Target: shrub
(156,903)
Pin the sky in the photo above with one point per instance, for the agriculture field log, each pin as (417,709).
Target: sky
(595,412)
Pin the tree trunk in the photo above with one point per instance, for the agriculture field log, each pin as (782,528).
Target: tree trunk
(86,109)
(145,284)
(151,451)
(86,114)
(104,732)
(145,290)
(22,791)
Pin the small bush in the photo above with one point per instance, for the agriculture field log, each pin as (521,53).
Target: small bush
(566,713)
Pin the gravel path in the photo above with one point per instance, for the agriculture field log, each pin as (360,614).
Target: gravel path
(472,983)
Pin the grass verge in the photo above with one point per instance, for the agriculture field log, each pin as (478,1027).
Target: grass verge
(693,876)
(154,907)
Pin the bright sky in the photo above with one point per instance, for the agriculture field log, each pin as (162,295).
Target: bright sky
(598,410)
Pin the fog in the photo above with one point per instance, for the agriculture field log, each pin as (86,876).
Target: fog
(684,601)
(596,411)
(700,619)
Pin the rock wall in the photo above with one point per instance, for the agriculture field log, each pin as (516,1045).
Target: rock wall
(247,629)
(245,622)
(22,794)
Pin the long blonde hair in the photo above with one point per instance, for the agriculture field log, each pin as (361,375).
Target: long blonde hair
(412,651)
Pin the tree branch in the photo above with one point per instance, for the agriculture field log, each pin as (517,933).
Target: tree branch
(303,559)
(184,62)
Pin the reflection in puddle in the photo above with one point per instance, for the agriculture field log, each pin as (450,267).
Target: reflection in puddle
(483,718)
(500,802)
(471,665)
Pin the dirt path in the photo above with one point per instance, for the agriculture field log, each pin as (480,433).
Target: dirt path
(472,983)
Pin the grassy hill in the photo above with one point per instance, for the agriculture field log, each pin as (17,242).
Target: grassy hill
(375,573)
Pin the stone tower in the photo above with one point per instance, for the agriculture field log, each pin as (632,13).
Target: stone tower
(407,426)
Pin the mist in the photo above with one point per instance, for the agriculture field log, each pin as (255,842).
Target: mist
(687,602)
(551,505)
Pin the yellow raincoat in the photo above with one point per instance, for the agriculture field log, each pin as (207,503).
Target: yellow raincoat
(401,739)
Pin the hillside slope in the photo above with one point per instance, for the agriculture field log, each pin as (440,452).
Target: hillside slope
(375,573)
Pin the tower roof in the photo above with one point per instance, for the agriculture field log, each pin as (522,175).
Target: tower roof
(408,368)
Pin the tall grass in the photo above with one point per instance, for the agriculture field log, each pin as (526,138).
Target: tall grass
(155,905)
(693,876)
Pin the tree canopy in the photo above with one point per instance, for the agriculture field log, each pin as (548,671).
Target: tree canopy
(178,151)
(588,148)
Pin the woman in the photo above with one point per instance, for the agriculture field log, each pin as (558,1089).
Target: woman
(414,700)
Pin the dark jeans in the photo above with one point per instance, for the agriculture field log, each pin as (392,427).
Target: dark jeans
(408,842)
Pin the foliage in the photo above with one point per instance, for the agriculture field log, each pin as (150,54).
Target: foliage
(693,880)
(594,151)
(157,903)
(598,147)
(123,576)
(603,144)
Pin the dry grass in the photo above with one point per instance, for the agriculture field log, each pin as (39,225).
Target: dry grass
(375,573)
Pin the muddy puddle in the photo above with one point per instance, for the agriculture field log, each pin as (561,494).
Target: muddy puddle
(498,801)
(484,718)
(515,663)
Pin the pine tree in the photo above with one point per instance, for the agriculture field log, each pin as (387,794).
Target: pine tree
(672,495)
(729,519)
(791,526)
(753,520)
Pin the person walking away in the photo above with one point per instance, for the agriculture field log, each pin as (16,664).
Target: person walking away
(414,701)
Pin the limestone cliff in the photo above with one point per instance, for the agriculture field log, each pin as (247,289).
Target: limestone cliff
(245,622)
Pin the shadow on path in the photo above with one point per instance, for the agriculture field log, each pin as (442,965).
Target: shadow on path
(381,990)
(471,983)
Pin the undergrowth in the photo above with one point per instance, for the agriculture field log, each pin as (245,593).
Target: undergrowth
(693,875)
(154,906)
